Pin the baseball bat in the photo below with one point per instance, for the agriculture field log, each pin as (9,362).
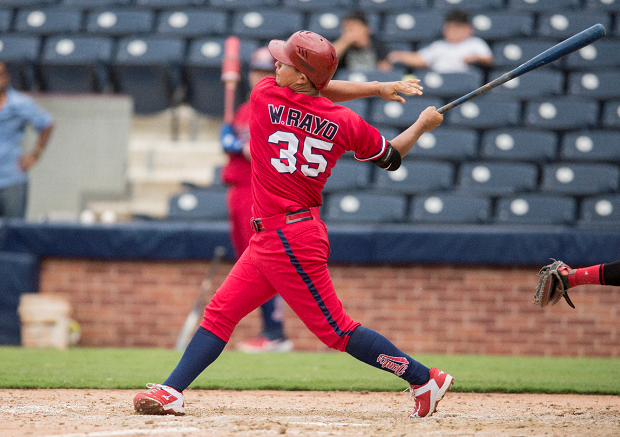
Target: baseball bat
(231,74)
(556,52)
(189,327)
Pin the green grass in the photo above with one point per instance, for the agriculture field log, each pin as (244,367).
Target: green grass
(132,368)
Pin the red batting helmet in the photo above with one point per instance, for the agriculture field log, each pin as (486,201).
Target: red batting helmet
(310,53)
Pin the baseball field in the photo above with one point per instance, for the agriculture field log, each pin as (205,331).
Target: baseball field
(89,392)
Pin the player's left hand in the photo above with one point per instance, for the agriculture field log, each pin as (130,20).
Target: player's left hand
(390,90)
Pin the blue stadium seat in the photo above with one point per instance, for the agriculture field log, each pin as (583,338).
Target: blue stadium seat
(449,84)
(92,4)
(203,71)
(603,5)
(75,64)
(542,82)
(413,27)
(397,114)
(20,54)
(415,177)
(602,85)
(203,205)
(469,5)
(600,210)
(450,208)
(370,75)
(597,145)
(495,178)
(484,113)
(6,16)
(543,5)
(519,145)
(561,113)
(349,175)
(611,114)
(120,22)
(360,207)
(318,5)
(392,5)
(565,24)
(47,21)
(155,4)
(149,70)
(234,5)
(511,54)
(536,209)
(27,3)
(446,143)
(601,54)
(327,23)
(497,25)
(359,106)
(580,179)
(192,23)
(267,24)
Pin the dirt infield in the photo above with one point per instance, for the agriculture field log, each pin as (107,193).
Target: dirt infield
(107,413)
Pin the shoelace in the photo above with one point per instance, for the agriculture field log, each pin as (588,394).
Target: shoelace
(411,394)
(152,385)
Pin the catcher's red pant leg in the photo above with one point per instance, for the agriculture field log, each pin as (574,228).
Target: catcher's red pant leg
(294,259)
(244,290)
(239,200)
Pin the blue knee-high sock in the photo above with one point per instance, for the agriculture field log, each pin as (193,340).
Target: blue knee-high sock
(372,348)
(202,350)
(272,325)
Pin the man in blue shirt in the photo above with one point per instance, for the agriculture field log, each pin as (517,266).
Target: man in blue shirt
(16,111)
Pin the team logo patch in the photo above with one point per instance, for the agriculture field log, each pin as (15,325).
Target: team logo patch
(398,365)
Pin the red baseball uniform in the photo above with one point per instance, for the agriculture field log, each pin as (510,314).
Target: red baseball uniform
(296,140)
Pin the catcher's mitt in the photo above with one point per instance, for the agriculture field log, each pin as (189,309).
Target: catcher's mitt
(552,285)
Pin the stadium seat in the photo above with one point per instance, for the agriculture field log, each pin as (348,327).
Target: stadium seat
(469,5)
(484,113)
(47,21)
(155,4)
(192,23)
(600,210)
(359,106)
(495,178)
(450,208)
(602,85)
(598,145)
(415,177)
(27,3)
(92,4)
(75,64)
(519,145)
(327,23)
(611,114)
(413,27)
(397,114)
(6,16)
(536,209)
(498,25)
(542,82)
(149,70)
(360,207)
(392,5)
(120,22)
(266,24)
(544,5)
(234,5)
(20,54)
(449,85)
(511,54)
(601,54)
(349,175)
(603,5)
(561,113)
(580,179)
(565,24)
(203,71)
(205,204)
(446,143)
(318,5)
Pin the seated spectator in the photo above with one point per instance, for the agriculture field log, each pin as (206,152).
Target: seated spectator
(356,48)
(453,54)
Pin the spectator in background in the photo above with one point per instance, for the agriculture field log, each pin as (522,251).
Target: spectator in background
(453,54)
(356,48)
(237,175)
(16,111)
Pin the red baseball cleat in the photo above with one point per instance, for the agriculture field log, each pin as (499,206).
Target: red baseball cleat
(428,395)
(160,399)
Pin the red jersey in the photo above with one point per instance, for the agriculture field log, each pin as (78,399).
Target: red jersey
(296,140)
(237,171)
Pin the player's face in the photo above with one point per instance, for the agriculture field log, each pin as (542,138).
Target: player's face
(286,74)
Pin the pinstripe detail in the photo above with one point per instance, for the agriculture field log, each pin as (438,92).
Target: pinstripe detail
(315,293)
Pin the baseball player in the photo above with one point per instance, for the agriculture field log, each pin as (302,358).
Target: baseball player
(555,279)
(236,174)
(297,135)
